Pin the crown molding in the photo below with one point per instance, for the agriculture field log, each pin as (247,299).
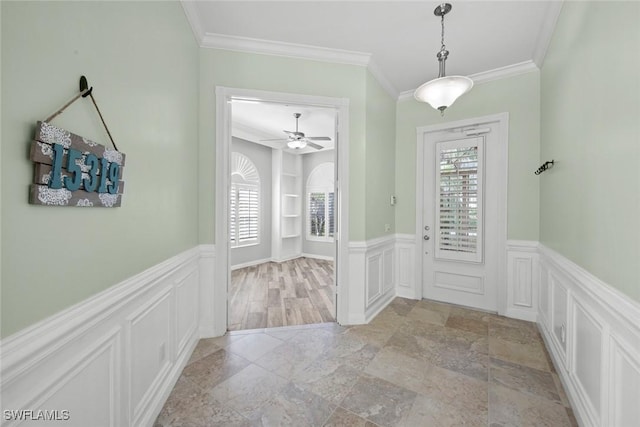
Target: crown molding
(191,13)
(503,72)
(546,31)
(386,84)
(289,50)
(487,76)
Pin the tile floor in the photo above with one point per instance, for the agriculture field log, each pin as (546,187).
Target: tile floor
(418,363)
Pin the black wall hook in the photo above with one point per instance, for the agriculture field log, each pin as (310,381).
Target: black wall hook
(544,167)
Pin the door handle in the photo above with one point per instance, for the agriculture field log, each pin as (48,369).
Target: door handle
(426,237)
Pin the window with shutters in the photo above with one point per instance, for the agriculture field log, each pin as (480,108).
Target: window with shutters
(244,203)
(320,216)
(459,187)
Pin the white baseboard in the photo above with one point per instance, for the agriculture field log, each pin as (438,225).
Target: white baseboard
(322,257)
(113,358)
(251,263)
(592,332)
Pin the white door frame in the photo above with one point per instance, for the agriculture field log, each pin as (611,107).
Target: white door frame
(503,140)
(224,96)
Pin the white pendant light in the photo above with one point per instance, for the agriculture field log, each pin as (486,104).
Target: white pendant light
(442,92)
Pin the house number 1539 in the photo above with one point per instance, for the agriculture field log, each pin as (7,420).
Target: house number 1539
(92,182)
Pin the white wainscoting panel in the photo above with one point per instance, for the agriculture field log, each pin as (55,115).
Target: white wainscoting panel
(371,278)
(522,280)
(112,359)
(405,267)
(624,408)
(212,323)
(592,332)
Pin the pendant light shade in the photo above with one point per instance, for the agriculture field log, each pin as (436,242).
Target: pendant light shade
(442,92)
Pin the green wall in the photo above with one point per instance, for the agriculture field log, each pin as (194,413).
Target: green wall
(590,125)
(380,155)
(279,74)
(520,97)
(142,61)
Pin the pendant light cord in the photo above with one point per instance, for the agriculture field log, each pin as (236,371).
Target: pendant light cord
(442,55)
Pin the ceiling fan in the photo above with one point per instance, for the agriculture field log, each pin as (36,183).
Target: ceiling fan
(298,140)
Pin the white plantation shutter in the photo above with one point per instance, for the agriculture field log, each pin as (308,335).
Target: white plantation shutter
(244,203)
(317,214)
(330,214)
(321,203)
(247,214)
(233,213)
(459,187)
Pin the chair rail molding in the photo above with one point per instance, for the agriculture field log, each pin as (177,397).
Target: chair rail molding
(592,332)
(129,342)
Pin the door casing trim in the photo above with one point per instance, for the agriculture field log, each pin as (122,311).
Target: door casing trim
(503,141)
(224,96)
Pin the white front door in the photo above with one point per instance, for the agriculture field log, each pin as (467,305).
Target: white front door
(462,216)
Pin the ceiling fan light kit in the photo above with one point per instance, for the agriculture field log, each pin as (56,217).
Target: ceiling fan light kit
(297,140)
(442,92)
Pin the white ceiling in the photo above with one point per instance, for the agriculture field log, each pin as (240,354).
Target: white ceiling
(254,121)
(396,40)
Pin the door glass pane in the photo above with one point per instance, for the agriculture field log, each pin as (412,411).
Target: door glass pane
(459,204)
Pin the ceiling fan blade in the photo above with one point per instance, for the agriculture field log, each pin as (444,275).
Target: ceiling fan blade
(276,139)
(316,146)
(318,138)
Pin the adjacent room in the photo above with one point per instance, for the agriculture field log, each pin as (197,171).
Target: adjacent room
(281,215)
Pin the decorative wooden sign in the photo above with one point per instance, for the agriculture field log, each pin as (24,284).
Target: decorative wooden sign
(74,171)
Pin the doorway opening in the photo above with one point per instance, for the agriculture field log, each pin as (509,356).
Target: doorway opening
(281,208)
(461,217)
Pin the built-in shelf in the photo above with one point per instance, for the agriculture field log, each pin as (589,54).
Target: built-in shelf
(287,223)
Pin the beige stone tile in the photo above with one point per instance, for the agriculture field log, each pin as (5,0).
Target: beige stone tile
(428,379)
(470,313)
(524,379)
(433,411)
(467,324)
(247,391)
(328,379)
(516,333)
(531,354)
(214,368)
(254,346)
(448,348)
(430,313)
(511,408)
(204,348)
(402,306)
(293,406)
(350,351)
(374,334)
(379,401)
(287,359)
(343,418)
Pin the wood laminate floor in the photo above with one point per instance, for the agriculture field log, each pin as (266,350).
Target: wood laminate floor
(296,292)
